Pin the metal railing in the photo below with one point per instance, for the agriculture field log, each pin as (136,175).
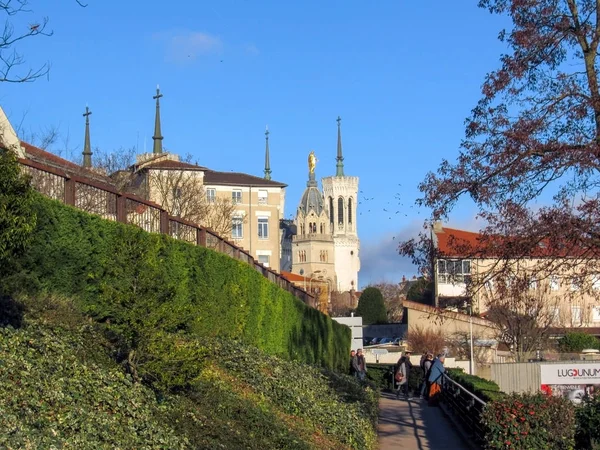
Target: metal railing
(465,407)
(105,201)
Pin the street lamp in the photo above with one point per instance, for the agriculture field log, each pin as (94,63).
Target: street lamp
(472,359)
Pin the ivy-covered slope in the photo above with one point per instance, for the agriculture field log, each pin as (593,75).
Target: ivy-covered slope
(61,389)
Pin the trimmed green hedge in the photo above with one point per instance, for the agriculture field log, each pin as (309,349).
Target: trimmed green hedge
(146,285)
(482,388)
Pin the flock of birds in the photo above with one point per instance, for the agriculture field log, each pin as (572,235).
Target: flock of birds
(370,203)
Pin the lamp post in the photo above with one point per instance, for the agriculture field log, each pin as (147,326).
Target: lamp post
(472,359)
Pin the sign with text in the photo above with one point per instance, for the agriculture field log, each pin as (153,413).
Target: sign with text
(570,373)
(574,381)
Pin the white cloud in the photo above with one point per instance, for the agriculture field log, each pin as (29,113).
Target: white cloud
(251,49)
(186,46)
(380,260)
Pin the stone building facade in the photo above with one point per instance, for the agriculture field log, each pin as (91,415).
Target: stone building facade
(326,246)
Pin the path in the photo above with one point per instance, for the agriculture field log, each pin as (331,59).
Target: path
(414,426)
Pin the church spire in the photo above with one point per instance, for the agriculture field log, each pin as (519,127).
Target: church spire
(87,148)
(267,159)
(157,133)
(339,167)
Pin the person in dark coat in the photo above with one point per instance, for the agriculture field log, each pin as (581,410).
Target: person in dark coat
(403,366)
(425,367)
(353,363)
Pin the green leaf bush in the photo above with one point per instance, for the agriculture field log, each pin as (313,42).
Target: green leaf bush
(484,389)
(146,286)
(526,421)
(17,220)
(371,306)
(587,434)
(61,389)
(575,342)
(52,398)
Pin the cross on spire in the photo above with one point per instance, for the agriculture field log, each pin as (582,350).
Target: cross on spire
(339,172)
(157,132)
(87,148)
(267,159)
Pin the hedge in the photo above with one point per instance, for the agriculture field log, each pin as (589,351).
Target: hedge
(146,285)
(529,421)
(484,389)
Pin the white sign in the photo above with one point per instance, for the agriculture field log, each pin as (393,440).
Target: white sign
(573,373)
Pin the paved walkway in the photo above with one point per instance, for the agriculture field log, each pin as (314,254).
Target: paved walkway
(414,425)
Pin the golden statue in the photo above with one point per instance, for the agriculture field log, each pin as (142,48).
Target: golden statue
(312,161)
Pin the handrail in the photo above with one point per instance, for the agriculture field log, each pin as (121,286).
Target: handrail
(460,386)
(69,196)
(465,407)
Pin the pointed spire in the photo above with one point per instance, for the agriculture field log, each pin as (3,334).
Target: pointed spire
(87,148)
(339,167)
(267,159)
(157,133)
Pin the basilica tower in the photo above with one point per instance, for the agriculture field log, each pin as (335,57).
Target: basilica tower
(312,247)
(341,197)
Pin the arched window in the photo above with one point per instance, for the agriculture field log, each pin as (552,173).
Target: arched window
(349,210)
(322,229)
(340,210)
(330,209)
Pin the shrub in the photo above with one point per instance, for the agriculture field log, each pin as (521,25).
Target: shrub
(371,307)
(236,396)
(484,389)
(51,396)
(17,219)
(145,286)
(577,341)
(526,421)
(587,434)
(421,339)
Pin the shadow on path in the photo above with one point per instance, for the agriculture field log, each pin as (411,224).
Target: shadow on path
(414,425)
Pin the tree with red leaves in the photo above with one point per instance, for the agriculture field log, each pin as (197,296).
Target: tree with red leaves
(534,137)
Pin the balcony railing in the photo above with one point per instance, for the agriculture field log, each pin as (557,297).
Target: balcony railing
(313,237)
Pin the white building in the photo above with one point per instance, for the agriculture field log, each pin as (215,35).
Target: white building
(327,244)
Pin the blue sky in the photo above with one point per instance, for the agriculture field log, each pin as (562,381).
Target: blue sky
(402,75)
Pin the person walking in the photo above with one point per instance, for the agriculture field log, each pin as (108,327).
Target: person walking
(401,377)
(353,363)
(426,364)
(435,380)
(361,365)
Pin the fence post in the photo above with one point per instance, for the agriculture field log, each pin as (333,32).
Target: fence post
(70,191)
(164,222)
(201,237)
(121,209)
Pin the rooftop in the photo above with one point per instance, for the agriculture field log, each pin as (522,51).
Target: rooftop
(238,179)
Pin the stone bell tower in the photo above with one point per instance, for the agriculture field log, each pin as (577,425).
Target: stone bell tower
(341,199)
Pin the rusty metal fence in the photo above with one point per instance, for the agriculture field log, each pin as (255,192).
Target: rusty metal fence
(108,203)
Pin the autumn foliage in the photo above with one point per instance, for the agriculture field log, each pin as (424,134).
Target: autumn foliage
(533,139)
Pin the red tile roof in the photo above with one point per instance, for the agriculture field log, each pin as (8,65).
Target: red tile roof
(238,179)
(455,243)
(293,276)
(451,242)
